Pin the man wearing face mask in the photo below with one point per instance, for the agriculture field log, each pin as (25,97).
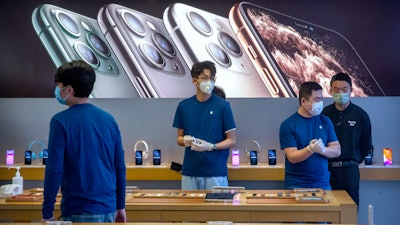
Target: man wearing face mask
(308,139)
(206,128)
(86,157)
(353,129)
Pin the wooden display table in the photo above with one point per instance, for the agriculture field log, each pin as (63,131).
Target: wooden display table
(339,209)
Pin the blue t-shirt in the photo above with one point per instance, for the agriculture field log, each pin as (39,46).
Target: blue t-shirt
(208,120)
(87,159)
(297,131)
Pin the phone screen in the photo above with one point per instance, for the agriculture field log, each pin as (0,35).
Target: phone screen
(138,157)
(253,158)
(45,156)
(156,157)
(387,156)
(300,51)
(235,157)
(28,157)
(10,157)
(272,157)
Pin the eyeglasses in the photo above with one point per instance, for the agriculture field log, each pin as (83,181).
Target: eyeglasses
(207,78)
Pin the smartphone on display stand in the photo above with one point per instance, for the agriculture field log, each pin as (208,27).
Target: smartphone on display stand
(69,36)
(271,157)
(156,157)
(235,157)
(138,157)
(201,35)
(387,156)
(45,156)
(28,157)
(253,158)
(146,51)
(291,51)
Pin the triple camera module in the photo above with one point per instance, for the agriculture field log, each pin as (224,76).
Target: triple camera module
(217,52)
(93,49)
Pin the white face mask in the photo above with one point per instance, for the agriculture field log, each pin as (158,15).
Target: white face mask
(341,98)
(317,108)
(206,86)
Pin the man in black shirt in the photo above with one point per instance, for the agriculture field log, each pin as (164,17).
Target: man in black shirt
(353,129)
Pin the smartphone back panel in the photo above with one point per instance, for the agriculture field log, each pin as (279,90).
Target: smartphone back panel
(201,35)
(146,51)
(69,36)
(291,51)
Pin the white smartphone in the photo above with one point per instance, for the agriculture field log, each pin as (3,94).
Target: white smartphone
(146,52)
(201,35)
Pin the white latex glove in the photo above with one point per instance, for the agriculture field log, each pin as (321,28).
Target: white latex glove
(187,140)
(317,146)
(201,145)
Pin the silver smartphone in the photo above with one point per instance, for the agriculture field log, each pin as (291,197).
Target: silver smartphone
(201,35)
(291,51)
(68,36)
(146,51)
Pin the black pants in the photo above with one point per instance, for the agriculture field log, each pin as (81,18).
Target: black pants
(346,178)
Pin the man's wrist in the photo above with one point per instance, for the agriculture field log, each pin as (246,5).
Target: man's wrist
(214,147)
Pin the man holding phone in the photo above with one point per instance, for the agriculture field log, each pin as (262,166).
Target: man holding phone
(353,129)
(308,139)
(86,157)
(206,128)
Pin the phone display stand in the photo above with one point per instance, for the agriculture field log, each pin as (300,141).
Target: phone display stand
(300,195)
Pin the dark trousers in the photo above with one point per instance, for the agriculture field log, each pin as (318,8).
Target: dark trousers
(346,178)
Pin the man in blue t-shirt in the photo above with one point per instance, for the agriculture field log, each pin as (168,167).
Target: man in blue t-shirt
(86,157)
(206,128)
(308,139)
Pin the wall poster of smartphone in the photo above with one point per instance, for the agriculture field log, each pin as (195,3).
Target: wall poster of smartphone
(201,35)
(156,157)
(271,156)
(138,157)
(291,51)
(68,36)
(28,157)
(146,51)
(253,158)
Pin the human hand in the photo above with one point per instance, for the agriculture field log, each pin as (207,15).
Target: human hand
(187,140)
(201,145)
(317,146)
(121,216)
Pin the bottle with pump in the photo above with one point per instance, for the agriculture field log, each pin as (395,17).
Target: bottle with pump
(18,180)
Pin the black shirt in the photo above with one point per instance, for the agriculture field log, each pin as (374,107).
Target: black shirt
(353,130)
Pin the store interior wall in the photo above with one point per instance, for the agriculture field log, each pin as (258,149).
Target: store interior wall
(23,120)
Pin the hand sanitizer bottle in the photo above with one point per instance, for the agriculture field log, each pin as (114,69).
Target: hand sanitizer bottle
(18,180)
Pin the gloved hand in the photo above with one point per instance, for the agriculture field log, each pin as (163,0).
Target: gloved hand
(201,145)
(317,146)
(187,140)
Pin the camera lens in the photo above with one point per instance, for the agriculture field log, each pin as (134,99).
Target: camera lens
(200,23)
(68,24)
(99,45)
(164,44)
(219,54)
(86,54)
(230,44)
(133,23)
(152,55)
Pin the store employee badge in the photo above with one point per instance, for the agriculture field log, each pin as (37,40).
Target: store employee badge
(351,123)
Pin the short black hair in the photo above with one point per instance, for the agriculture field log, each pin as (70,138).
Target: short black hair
(219,91)
(342,77)
(199,67)
(79,75)
(306,89)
